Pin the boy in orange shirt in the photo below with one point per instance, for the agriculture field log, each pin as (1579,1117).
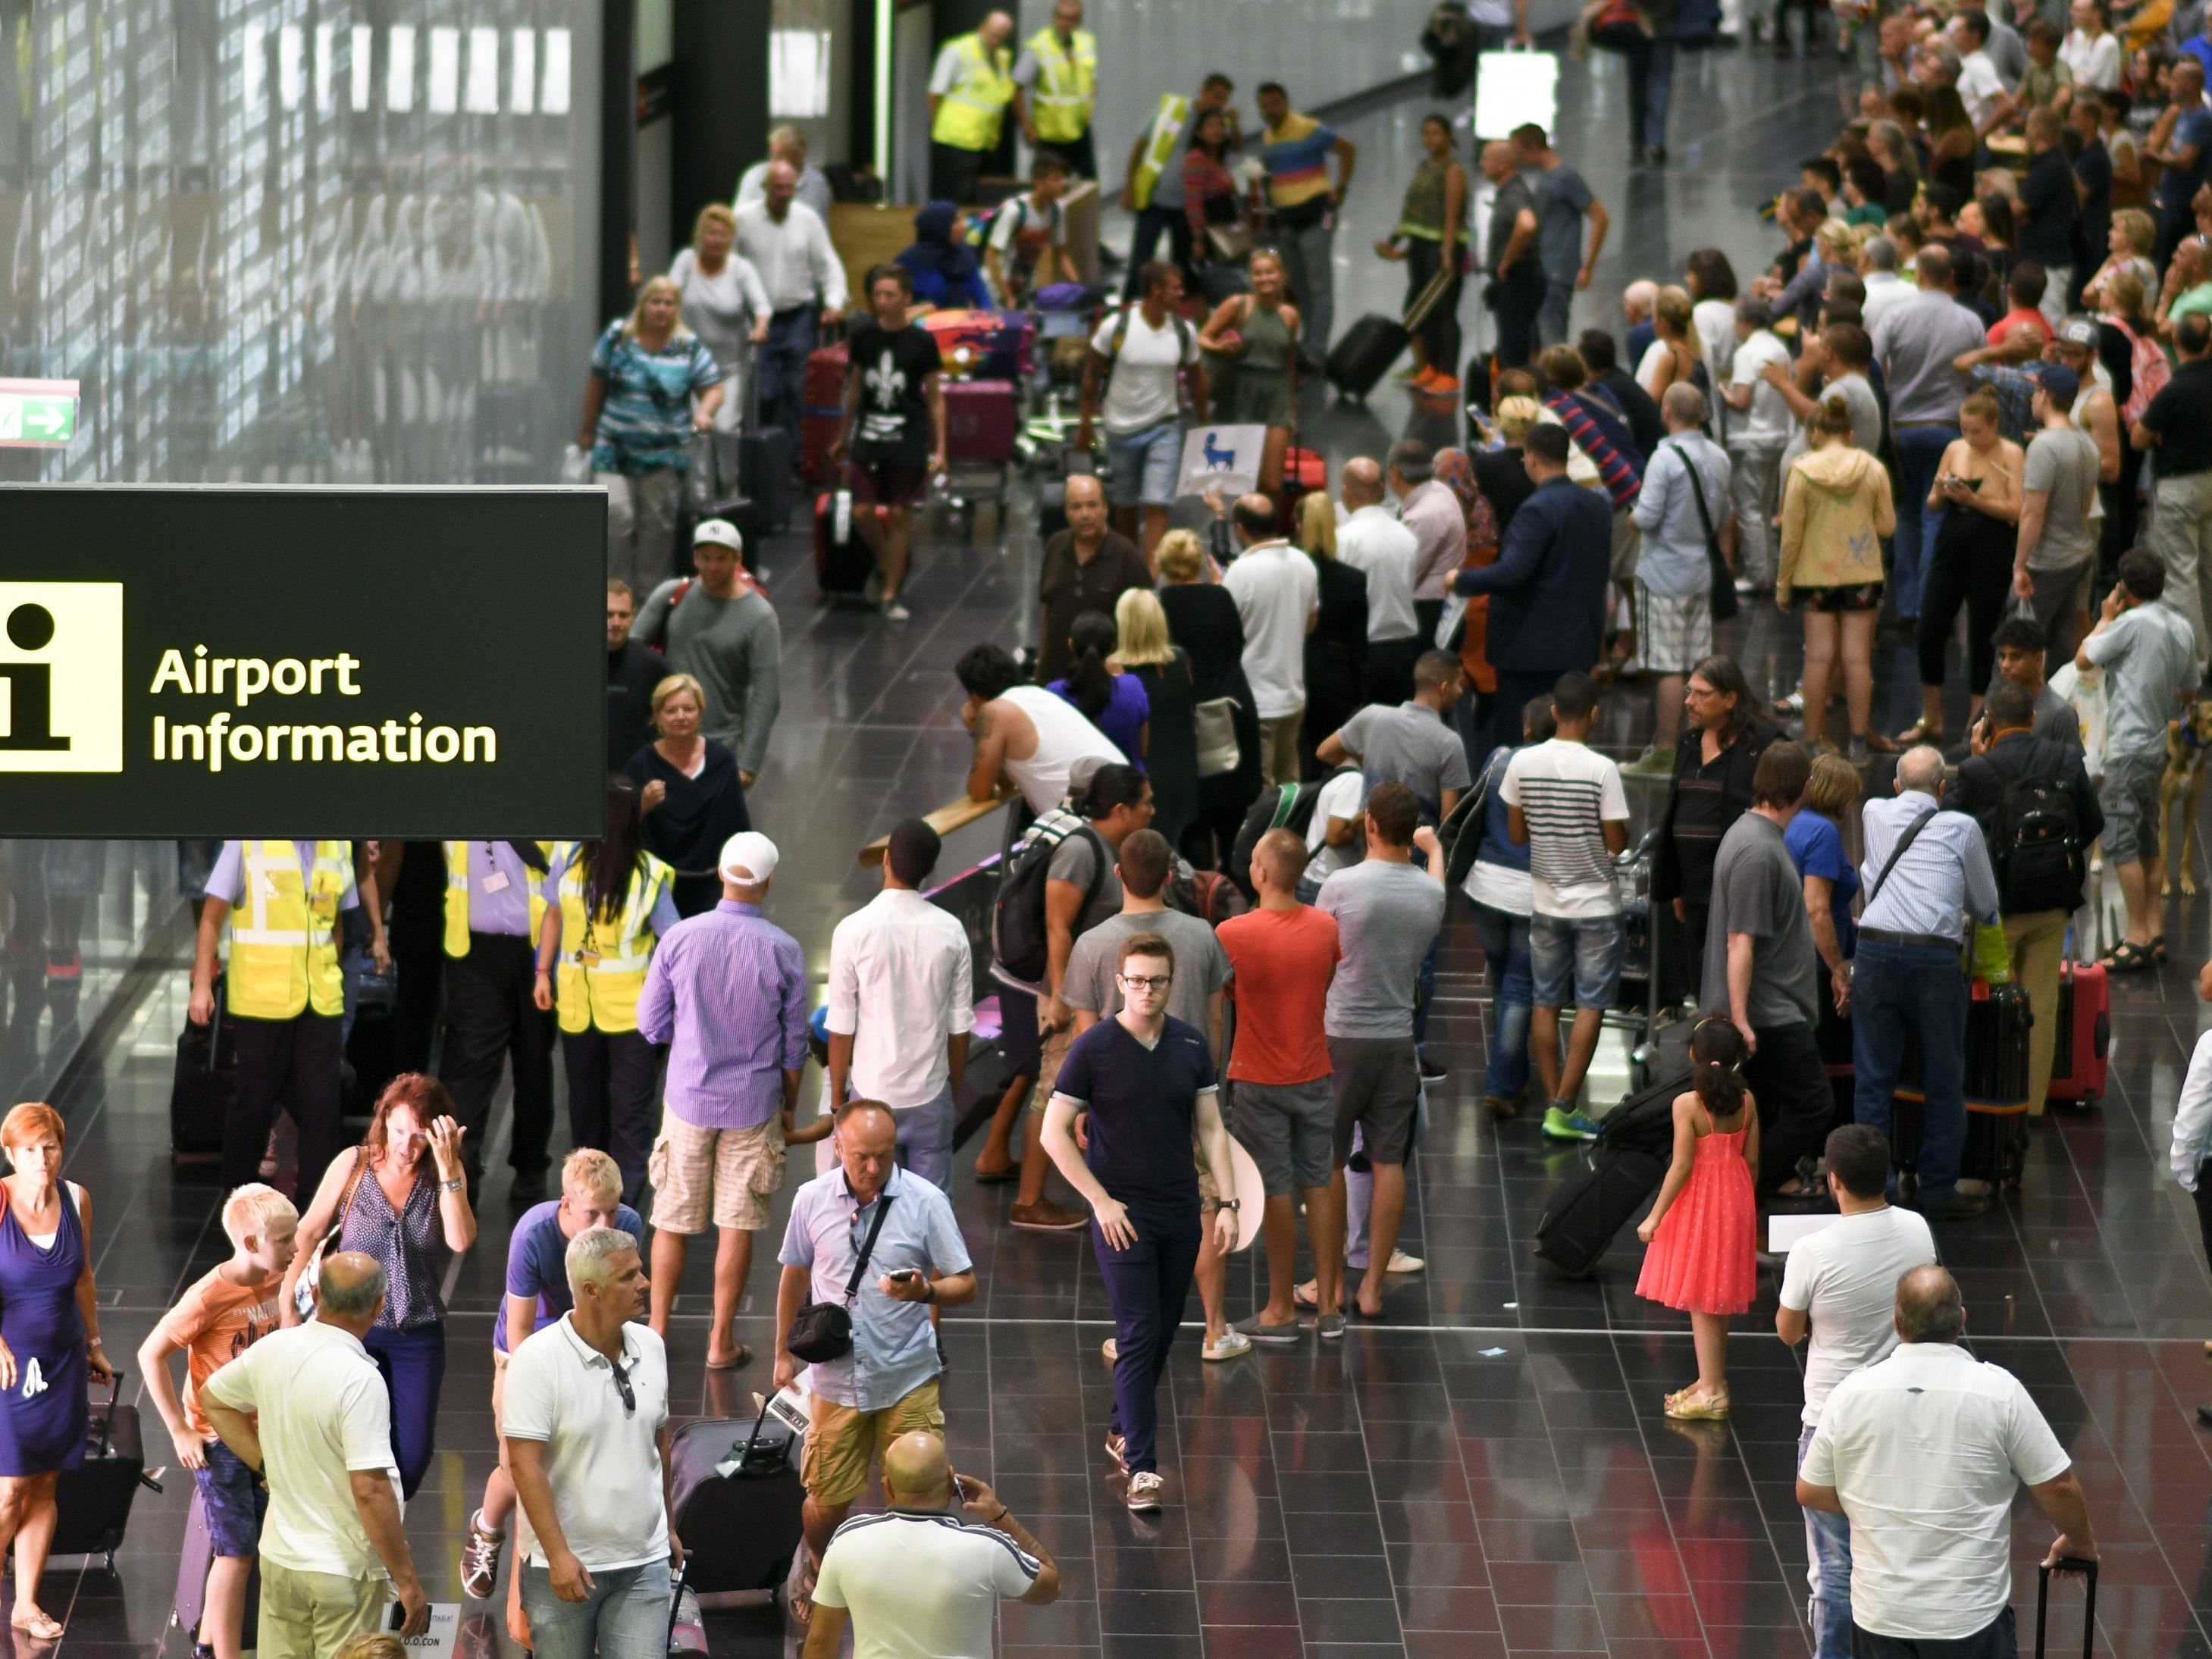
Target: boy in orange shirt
(224,1313)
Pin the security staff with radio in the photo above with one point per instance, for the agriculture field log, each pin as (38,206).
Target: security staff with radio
(608,903)
(494,906)
(968,91)
(284,992)
(1057,82)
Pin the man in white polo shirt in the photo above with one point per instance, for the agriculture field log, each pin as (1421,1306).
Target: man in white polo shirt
(586,1428)
(1925,1451)
(308,1407)
(1278,601)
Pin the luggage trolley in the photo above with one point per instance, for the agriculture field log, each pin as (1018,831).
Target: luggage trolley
(1633,1029)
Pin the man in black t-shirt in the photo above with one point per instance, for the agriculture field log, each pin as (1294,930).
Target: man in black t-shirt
(894,425)
(2178,425)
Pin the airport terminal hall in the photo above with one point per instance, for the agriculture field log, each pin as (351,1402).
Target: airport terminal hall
(1106,829)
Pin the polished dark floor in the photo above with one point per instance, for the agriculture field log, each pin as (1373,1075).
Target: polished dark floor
(1488,1473)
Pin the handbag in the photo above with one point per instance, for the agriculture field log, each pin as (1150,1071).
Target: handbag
(1214,723)
(823,1331)
(303,1288)
(1230,244)
(1720,592)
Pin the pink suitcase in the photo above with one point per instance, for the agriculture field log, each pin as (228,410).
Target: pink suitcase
(979,421)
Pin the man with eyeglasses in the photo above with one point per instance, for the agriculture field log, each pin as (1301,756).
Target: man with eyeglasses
(585,1429)
(1147,1081)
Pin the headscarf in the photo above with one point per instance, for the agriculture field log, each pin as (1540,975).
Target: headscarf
(934,249)
(1456,473)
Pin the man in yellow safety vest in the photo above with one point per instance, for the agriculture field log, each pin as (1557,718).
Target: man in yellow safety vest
(1154,192)
(284,992)
(495,902)
(969,92)
(1058,76)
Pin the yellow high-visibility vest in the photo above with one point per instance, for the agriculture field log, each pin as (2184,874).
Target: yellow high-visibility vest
(1067,85)
(456,897)
(968,116)
(603,962)
(283,931)
(1167,127)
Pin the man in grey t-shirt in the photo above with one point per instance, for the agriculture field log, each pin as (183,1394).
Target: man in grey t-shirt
(1092,986)
(719,627)
(2020,645)
(2055,559)
(1758,968)
(1388,911)
(1411,743)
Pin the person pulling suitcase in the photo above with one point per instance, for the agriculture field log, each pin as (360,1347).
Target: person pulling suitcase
(893,439)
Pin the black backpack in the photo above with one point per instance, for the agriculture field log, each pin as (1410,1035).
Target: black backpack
(1286,807)
(1019,936)
(2035,847)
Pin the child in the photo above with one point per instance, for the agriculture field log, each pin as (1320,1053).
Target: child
(1703,1229)
(371,1644)
(221,1315)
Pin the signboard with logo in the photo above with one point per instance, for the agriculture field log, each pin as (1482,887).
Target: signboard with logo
(37,414)
(238,661)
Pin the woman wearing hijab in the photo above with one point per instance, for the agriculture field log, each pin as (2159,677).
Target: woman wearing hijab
(947,276)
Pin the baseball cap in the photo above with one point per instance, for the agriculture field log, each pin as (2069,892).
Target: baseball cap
(2078,331)
(720,531)
(749,858)
(2061,384)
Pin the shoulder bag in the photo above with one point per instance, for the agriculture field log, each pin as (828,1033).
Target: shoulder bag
(303,1288)
(823,1331)
(1720,594)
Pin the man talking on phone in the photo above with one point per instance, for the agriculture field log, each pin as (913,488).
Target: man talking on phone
(882,1244)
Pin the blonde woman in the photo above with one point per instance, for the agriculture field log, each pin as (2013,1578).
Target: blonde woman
(723,302)
(652,384)
(1674,358)
(2129,245)
(1835,511)
(690,791)
(1148,656)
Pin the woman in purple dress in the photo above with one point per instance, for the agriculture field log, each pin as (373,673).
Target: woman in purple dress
(49,1345)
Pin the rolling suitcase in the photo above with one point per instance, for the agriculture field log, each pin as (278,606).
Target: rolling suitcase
(1303,472)
(193,1561)
(822,410)
(1590,1206)
(204,1085)
(92,1501)
(1998,1022)
(843,561)
(1363,355)
(735,1500)
(2066,1564)
(764,474)
(979,421)
(2085,1034)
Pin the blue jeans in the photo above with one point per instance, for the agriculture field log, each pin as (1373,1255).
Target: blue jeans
(1505,944)
(1919,454)
(1574,958)
(781,367)
(1920,988)
(925,1139)
(1147,1284)
(625,1616)
(1828,1556)
(414,1367)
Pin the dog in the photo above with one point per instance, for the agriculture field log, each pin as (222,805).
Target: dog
(2186,741)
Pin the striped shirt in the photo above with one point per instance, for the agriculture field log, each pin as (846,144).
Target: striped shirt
(1603,437)
(1296,156)
(1568,792)
(645,423)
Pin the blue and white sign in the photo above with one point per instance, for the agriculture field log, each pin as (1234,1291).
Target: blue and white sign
(1227,458)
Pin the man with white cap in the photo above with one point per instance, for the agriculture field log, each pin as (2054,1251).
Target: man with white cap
(727,993)
(719,628)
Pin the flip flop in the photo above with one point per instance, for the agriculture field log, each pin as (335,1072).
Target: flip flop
(1310,1300)
(743,1354)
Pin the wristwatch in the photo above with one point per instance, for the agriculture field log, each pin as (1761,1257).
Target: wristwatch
(455,1184)
(1229,1204)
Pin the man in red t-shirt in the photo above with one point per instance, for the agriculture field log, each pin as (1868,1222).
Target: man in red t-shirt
(1284,954)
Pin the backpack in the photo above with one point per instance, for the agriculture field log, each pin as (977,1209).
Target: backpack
(2035,846)
(2147,361)
(1208,895)
(1185,335)
(1286,807)
(1019,939)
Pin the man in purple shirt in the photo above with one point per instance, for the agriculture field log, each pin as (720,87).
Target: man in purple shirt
(1428,508)
(492,1017)
(727,993)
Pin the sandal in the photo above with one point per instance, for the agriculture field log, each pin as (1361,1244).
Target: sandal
(37,1623)
(1919,731)
(2158,947)
(739,1358)
(2127,957)
(1688,1406)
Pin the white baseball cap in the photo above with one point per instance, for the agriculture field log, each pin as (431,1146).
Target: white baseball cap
(749,858)
(721,532)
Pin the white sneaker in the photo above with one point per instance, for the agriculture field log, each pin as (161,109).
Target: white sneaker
(1230,1344)
(894,612)
(1402,1263)
(1145,1489)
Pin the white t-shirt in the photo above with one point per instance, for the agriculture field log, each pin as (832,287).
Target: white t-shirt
(1568,792)
(1276,590)
(1340,798)
(1654,356)
(603,1462)
(1845,1277)
(1372,542)
(1979,85)
(921,1584)
(1768,420)
(1063,737)
(323,1413)
(1141,389)
(1927,1449)
(1715,325)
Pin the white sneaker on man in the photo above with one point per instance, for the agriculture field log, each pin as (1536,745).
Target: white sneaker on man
(1145,1488)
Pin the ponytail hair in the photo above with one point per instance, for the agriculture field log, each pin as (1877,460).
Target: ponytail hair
(1716,1049)
(1091,685)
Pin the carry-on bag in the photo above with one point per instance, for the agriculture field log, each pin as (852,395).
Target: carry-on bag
(2081,1060)
(735,1499)
(92,1501)
(203,1087)
(1590,1207)
(1363,356)
(2066,1564)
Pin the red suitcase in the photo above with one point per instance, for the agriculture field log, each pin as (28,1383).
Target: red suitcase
(1303,472)
(821,411)
(2085,1034)
(979,421)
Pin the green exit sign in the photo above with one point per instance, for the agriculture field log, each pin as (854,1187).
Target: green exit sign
(37,414)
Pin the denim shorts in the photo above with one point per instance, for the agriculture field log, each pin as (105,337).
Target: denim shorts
(1581,955)
(233,1500)
(1144,466)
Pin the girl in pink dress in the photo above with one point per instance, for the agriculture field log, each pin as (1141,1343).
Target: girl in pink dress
(1703,1229)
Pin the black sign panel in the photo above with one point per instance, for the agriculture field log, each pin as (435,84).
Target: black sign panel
(204,660)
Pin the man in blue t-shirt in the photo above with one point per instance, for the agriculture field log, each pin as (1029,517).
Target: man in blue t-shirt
(1564,200)
(1146,1081)
(536,1293)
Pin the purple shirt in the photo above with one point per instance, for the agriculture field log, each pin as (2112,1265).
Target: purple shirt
(504,906)
(1433,514)
(728,992)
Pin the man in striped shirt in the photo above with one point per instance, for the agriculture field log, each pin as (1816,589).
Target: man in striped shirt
(1567,806)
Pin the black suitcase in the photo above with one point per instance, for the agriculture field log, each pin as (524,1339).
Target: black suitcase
(203,1087)
(2066,1564)
(1996,1141)
(764,471)
(92,1501)
(842,562)
(1590,1206)
(1998,1026)
(741,1529)
(1363,355)
(1645,1122)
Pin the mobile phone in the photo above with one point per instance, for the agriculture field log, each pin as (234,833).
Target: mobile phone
(906,1276)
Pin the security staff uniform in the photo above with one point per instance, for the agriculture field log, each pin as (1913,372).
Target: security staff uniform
(599,963)
(283,995)
(1062,78)
(493,907)
(974,84)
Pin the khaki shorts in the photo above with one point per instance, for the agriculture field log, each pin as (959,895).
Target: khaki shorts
(740,1169)
(844,1440)
(1051,1057)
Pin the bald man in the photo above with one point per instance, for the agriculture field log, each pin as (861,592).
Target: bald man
(1278,601)
(1372,542)
(1087,567)
(928,1575)
(1637,302)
